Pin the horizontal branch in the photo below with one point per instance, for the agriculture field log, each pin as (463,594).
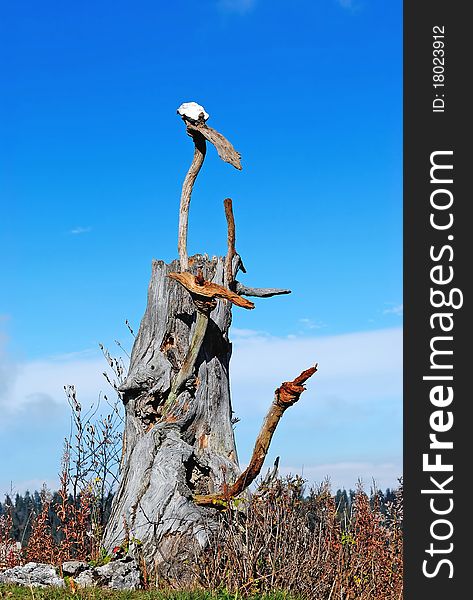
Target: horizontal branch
(207,289)
(285,396)
(243,290)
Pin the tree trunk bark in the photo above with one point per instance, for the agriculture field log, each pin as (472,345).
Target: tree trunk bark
(170,456)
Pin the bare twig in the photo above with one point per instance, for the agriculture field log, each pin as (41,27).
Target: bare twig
(285,396)
(229,278)
(269,480)
(127,323)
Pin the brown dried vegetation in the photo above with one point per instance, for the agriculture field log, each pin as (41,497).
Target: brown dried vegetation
(304,546)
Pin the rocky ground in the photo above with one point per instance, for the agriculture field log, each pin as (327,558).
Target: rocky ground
(122,574)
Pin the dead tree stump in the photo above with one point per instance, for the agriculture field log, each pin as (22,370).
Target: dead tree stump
(166,460)
(179,462)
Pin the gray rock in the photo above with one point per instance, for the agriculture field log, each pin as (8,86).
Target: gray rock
(72,568)
(86,579)
(121,574)
(32,574)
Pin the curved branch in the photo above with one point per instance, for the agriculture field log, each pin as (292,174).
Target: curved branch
(200,149)
(194,116)
(285,396)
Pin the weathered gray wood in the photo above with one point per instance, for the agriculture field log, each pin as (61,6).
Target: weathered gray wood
(190,450)
(196,164)
(231,238)
(244,290)
(187,368)
(199,131)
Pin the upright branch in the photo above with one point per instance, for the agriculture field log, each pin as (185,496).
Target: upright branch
(232,283)
(285,396)
(229,278)
(194,116)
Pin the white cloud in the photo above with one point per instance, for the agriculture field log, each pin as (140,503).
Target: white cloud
(8,370)
(397,310)
(350,412)
(236,6)
(80,230)
(350,5)
(356,365)
(347,474)
(31,485)
(246,333)
(355,371)
(39,384)
(311,324)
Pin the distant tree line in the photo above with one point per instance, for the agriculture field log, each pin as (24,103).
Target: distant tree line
(344,500)
(24,507)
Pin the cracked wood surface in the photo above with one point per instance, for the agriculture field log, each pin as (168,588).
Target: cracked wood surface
(168,458)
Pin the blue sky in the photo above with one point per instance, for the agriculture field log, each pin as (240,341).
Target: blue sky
(93,157)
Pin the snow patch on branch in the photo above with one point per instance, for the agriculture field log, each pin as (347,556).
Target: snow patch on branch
(192,111)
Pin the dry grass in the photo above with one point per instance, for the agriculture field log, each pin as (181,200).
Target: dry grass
(41,547)
(301,545)
(279,541)
(10,555)
(280,544)
(17,593)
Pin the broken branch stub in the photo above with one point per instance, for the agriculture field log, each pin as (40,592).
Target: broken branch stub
(231,237)
(244,290)
(225,149)
(285,396)
(289,392)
